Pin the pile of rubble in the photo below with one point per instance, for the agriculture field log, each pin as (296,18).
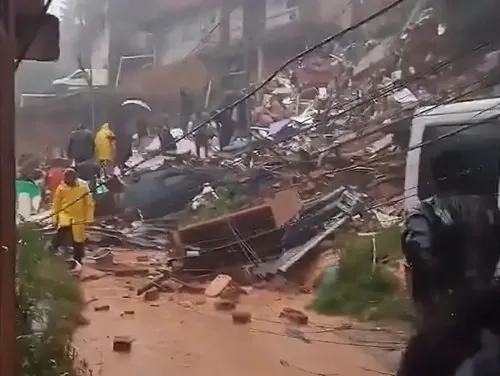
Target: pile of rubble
(262,246)
(328,151)
(336,113)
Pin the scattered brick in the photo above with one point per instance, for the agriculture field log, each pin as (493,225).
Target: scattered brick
(218,285)
(155,305)
(122,344)
(142,258)
(102,308)
(152,295)
(224,305)
(295,316)
(242,317)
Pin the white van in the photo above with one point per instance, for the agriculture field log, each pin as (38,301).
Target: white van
(79,79)
(480,143)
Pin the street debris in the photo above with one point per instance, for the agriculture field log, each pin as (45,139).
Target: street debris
(326,154)
(152,295)
(294,316)
(101,308)
(218,285)
(240,317)
(122,344)
(224,305)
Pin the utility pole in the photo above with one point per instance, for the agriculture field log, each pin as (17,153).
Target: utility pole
(253,22)
(8,238)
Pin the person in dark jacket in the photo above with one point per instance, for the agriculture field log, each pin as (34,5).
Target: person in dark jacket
(167,141)
(451,241)
(202,136)
(81,151)
(227,124)
(462,340)
(124,139)
(81,144)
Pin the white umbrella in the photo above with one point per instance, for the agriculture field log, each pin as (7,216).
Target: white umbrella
(136,102)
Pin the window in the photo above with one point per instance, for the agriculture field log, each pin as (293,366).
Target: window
(479,146)
(290,4)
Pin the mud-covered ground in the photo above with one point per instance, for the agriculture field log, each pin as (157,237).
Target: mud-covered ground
(183,334)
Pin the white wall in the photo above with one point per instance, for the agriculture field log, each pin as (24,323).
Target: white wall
(236,25)
(182,38)
(100,51)
(281,12)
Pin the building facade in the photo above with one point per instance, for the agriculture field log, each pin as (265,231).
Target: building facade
(236,41)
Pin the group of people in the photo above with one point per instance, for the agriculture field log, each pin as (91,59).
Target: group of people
(92,154)
(227,125)
(451,242)
(72,201)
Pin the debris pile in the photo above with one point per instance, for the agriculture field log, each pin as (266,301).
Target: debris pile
(259,247)
(346,111)
(327,151)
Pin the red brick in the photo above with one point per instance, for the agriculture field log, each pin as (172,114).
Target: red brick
(224,305)
(295,316)
(101,308)
(122,344)
(218,285)
(152,295)
(242,317)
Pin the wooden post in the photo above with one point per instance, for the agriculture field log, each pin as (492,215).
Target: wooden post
(8,345)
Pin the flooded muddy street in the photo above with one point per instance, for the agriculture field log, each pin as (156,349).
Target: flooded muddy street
(185,334)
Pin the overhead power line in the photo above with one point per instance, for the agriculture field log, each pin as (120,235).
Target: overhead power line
(420,145)
(266,81)
(390,88)
(297,57)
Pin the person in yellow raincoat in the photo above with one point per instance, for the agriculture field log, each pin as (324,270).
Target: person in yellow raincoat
(72,210)
(105,148)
